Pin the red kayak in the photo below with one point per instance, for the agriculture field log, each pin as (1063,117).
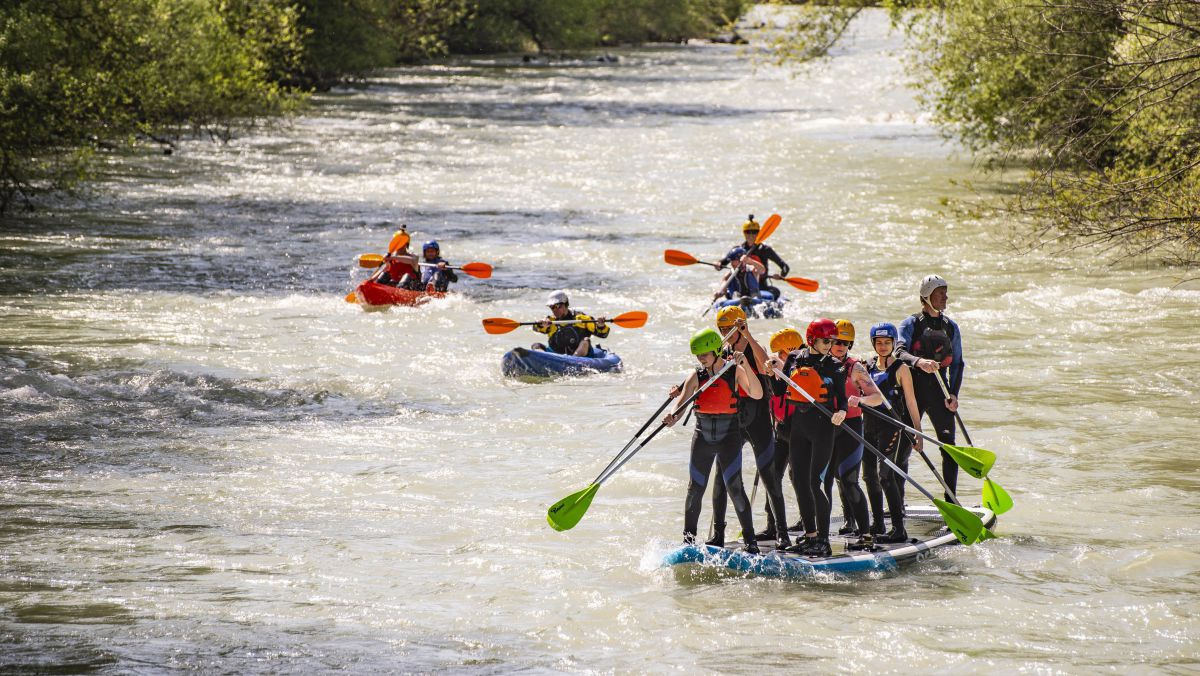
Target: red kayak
(373,295)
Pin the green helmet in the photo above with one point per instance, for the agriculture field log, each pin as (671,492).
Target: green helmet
(706,340)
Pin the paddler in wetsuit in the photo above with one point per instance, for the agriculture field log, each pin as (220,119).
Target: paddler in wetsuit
(824,379)
(894,379)
(717,436)
(756,428)
(435,270)
(741,282)
(783,343)
(762,253)
(929,342)
(399,268)
(847,451)
(573,339)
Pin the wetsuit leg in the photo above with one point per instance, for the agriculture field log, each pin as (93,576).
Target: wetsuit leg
(782,464)
(761,435)
(703,455)
(880,438)
(898,448)
(812,448)
(931,402)
(847,459)
(719,496)
(730,455)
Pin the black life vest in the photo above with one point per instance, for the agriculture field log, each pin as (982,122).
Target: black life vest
(933,338)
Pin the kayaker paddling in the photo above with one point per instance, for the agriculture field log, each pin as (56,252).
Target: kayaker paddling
(436,272)
(762,254)
(573,339)
(399,267)
(717,437)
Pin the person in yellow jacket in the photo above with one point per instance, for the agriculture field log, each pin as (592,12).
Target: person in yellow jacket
(573,339)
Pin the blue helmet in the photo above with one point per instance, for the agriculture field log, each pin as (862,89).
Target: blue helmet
(884,330)
(431,244)
(735,253)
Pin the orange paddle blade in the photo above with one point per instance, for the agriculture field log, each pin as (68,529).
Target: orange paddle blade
(351,297)
(768,227)
(801,283)
(370,260)
(674,257)
(630,320)
(399,240)
(477,270)
(498,325)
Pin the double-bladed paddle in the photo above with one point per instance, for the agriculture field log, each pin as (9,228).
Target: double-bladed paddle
(564,514)
(478,270)
(965,525)
(628,320)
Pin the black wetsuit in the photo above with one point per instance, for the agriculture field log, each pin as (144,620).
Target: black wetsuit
(756,427)
(844,469)
(931,401)
(892,441)
(718,437)
(812,434)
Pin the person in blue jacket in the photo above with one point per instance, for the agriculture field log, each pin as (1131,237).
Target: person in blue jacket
(931,344)
(434,269)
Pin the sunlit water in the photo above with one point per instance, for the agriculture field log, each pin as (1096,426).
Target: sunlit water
(210,461)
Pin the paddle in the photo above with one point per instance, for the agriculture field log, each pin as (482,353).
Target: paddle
(477,270)
(566,513)
(928,462)
(966,526)
(995,497)
(399,240)
(629,320)
(973,461)
(798,283)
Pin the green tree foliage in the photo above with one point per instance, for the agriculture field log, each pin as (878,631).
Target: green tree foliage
(1101,98)
(349,38)
(77,75)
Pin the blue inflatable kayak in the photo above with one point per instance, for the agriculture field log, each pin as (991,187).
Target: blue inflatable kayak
(539,364)
(924,524)
(765,305)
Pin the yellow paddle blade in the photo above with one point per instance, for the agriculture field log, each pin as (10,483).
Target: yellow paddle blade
(498,325)
(370,260)
(478,270)
(768,227)
(399,241)
(630,320)
(351,297)
(802,284)
(673,257)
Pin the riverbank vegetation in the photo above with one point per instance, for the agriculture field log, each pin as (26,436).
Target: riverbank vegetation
(1098,100)
(82,77)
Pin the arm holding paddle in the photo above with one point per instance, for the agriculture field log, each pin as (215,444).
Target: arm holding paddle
(683,395)
(871,396)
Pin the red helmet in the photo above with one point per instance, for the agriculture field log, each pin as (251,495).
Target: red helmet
(821,328)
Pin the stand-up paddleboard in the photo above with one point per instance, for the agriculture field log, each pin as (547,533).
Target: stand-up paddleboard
(926,529)
(522,362)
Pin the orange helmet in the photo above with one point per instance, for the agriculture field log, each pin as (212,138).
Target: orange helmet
(786,340)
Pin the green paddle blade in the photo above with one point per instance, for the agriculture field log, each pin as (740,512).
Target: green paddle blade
(965,525)
(564,514)
(986,535)
(974,461)
(995,498)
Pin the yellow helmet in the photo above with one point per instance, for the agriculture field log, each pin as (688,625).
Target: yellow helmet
(728,316)
(786,340)
(750,225)
(845,330)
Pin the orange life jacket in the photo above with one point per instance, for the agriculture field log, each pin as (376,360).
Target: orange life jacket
(811,382)
(721,398)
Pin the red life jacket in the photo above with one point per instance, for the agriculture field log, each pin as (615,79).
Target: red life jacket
(721,398)
(396,269)
(781,408)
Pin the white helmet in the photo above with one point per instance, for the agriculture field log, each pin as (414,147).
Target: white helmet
(930,283)
(557,297)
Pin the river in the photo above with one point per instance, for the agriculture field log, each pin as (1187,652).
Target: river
(209,461)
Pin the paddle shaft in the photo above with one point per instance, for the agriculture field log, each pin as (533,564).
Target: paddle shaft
(928,462)
(857,437)
(946,392)
(612,469)
(637,434)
